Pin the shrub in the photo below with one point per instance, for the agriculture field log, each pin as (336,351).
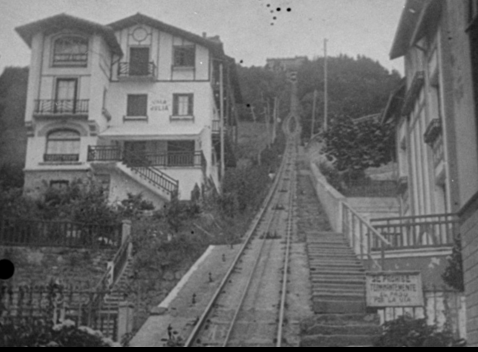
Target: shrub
(453,275)
(40,333)
(408,332)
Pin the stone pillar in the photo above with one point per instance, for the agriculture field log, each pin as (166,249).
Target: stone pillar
(125,319)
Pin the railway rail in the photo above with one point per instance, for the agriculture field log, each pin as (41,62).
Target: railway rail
(244,309)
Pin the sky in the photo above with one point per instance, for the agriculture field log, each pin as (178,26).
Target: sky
(251,30)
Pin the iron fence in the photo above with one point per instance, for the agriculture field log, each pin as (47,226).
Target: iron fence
(37,233)
(56,303)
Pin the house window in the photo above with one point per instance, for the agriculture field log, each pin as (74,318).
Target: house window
(65,98)
(70,51)
(185,56)
(63,146)
(183,105)
(137,105)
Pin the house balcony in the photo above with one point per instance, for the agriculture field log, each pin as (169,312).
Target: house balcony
(135,71)
(61,108)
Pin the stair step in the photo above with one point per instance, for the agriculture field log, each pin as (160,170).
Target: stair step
(338,340)
(321,306)
(333,264)
(340,319)
(362,329)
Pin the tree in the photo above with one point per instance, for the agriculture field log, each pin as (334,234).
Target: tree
(354,147)
(356,88)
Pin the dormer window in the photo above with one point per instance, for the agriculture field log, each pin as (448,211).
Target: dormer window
(70,51)
(185,56)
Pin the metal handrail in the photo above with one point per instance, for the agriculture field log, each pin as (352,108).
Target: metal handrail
(127,69)
(61,106)
(152,174)
(371,231)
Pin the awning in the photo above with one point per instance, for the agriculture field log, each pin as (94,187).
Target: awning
(149,132)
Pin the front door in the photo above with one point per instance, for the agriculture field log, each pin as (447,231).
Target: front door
(135,153)
(181,153)
(139,61)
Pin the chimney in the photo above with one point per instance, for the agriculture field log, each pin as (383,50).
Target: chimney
(204,34)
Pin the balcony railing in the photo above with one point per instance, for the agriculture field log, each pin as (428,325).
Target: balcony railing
(60,107)
(104,153)
(131,69)
(176,159)
(417,231)
(170,159)
(61,158)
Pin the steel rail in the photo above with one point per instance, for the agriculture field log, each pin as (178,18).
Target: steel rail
(286,266)
(192,337)
(245,292)
(249,281)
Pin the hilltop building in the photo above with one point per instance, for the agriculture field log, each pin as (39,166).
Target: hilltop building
(135,103)
(285,64)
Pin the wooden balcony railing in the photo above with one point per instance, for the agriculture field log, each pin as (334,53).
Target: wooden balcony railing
(359,231)
(59,107)
(417,231)
(131,69)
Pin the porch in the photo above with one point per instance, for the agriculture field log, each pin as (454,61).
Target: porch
(169,159)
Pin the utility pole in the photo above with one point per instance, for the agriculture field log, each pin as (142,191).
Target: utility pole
(276,114)
(313,114)
(221,98)
(325,87)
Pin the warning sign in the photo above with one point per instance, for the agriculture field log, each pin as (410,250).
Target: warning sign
(394,289)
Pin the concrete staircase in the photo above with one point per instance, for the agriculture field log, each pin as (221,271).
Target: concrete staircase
(338,296)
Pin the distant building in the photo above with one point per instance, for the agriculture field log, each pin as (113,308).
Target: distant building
(285,64)
(437,131)
(134,103)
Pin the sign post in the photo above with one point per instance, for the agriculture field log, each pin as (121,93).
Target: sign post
(394,289)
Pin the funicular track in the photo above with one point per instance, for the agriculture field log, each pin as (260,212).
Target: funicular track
(249,307)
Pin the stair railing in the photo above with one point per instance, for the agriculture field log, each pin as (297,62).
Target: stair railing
(115,268)
(360,234)
(142,166)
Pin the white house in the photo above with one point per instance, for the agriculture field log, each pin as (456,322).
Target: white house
(134,103)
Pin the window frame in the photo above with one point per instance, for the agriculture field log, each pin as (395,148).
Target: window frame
(59,185)
(191,47)
(63,157)
(69,63)
(128,115)
(176,98)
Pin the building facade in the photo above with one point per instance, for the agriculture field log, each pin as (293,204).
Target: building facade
(435,111)
(135,103)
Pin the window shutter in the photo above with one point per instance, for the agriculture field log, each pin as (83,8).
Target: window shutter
(175,105)
(191,105)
